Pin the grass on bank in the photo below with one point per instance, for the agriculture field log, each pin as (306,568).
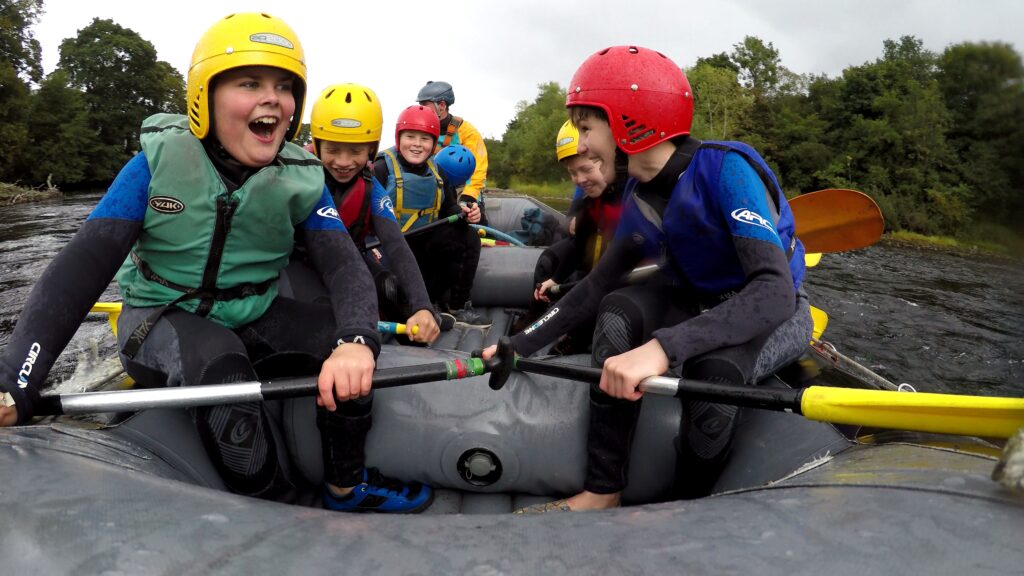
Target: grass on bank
(14,194)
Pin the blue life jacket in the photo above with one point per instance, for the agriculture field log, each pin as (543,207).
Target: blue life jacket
(416,199)
(695,235)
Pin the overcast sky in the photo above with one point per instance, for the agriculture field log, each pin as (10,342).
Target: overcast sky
(496,53)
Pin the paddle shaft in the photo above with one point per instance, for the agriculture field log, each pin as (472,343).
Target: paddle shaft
(779,399)
(923,412)
(216,394)
(415,231)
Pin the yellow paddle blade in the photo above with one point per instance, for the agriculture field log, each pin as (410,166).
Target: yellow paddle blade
(990,417)
(111,309)
(836,220)
(811,260)
(820,321)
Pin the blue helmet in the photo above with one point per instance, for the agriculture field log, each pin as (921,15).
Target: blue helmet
(456,163)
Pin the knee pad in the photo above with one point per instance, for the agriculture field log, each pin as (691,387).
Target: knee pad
(619,329)
(707,427)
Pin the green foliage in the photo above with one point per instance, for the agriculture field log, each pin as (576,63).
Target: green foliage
(123,83)
(59,124)
(528,152)
(14,101)
(18,45)
(720,103)
(303,137)
(759,64)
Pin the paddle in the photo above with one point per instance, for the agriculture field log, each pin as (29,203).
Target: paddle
(216,394)
(395,328)
(435,224)
(113,310)
(836,220)
(499,235)
(941,413)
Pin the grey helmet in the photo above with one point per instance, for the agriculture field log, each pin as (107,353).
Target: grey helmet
(437,92)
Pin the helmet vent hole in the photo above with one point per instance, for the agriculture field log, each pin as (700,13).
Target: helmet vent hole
(642,136)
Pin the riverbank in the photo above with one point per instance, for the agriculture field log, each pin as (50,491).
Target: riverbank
(13,194)
(1013,249)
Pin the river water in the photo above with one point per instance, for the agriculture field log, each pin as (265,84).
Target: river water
(940,321)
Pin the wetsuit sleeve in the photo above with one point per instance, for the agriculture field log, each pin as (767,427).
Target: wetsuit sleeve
(381,205)
(450,201)
(70,285)
(768,297)
(470,137)
(400,258)
(583,300)
(585,228)
(335,256)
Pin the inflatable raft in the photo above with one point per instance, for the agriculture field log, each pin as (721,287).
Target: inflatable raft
(138,495)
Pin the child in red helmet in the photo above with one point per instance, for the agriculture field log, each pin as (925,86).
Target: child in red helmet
(726,305)
(447,255)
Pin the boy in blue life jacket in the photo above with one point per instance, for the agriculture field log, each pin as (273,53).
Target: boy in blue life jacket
(447,255)
(197,228)
(345,125)
(726,305)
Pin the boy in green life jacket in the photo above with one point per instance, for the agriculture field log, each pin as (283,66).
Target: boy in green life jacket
(201,223)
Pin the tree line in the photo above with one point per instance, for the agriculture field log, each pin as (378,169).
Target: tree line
(936,139)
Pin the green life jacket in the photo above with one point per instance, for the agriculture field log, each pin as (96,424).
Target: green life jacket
(222,251)
(416,199)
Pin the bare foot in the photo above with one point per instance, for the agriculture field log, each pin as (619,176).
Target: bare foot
(592,501)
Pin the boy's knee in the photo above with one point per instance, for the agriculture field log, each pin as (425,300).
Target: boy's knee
(620,327)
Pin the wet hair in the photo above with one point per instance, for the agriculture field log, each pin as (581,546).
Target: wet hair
(578,114)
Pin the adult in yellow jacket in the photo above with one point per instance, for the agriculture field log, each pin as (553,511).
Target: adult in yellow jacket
(439,97)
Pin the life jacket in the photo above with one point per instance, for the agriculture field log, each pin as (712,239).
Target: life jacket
(604,211)
(417,199)
(694,238)
(207,250)
(354,207)
(450,136)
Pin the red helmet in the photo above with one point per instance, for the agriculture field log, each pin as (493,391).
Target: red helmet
(420,118)
(646,96)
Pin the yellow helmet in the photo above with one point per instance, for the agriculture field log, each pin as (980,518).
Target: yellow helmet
(567,142)
(346,113)
(243,39)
